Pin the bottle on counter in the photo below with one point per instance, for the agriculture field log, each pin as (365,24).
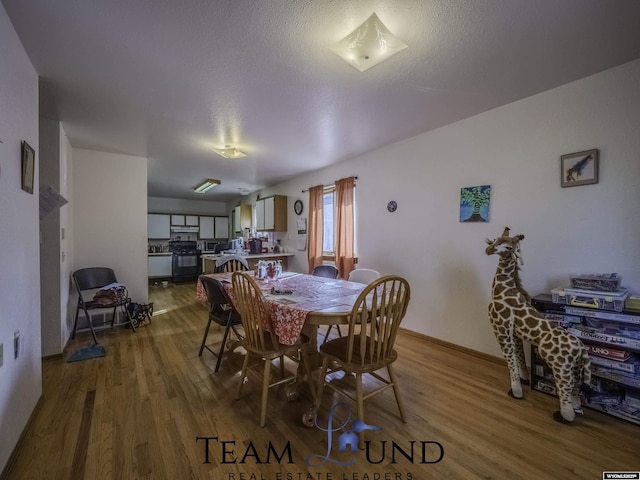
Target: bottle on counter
(277,248)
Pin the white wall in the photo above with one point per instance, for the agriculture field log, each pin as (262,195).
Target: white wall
(110,216)
(179,205)
(21,378)
(50,281)
(516,149)
(68,307)
(55,234)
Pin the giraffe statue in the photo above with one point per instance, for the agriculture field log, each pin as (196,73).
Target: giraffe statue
(514,319)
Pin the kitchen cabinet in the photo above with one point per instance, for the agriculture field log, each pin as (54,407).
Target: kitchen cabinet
(178,220)
(213,228)
(191,220)
(206,228)
(241,218)
(221,228)
(159,266)
(158,226)
(613,342)
(259,211)
(271,214)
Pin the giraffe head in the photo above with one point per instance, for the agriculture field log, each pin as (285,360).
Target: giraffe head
(505,245)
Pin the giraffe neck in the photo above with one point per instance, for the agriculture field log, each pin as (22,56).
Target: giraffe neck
(505,275)
(508,277)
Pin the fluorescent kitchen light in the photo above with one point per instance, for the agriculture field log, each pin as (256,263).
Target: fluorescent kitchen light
(208,184)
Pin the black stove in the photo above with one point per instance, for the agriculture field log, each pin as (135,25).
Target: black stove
(185,247)
(185,261)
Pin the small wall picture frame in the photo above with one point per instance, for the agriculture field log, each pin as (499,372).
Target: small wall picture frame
(580,168)
(28,167)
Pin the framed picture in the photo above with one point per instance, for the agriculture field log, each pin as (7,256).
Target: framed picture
(580,168)
(28,166)
(475,203)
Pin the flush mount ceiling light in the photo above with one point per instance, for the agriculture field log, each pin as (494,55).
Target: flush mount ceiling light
(229,152)
(208,184)
(368,45)
(244,191)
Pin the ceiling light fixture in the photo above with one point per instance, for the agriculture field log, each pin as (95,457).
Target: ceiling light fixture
(229,152)
(208,184)
(368,45)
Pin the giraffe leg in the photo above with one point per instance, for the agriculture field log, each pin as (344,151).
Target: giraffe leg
(509,351)
(522,363)
(563,377)
(576,400)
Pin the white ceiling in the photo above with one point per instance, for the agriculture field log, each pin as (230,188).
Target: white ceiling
(167,79)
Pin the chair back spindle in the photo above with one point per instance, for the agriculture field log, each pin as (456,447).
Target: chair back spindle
(377,313)
(256,319)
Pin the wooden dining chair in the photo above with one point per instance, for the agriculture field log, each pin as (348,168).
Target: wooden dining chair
(231,263)
(327,271)
(369,346)
(260,340)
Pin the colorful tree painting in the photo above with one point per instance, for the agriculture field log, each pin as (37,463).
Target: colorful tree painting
(474,203)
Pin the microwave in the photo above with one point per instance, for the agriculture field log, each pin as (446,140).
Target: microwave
(210,246)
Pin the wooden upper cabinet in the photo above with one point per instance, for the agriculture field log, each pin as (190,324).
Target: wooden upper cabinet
(241,218)
(271,214)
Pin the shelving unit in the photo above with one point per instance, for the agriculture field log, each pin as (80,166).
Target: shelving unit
(613,340)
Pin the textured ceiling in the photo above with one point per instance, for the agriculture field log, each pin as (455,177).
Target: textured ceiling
(168,79)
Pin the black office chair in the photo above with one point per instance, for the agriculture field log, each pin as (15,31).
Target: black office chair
(93,278)
(222,312)
(221,247)
(327,271)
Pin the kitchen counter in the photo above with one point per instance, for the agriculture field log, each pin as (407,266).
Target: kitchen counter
(160,254)
(209,260)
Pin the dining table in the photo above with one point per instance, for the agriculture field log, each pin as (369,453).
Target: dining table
(299,303)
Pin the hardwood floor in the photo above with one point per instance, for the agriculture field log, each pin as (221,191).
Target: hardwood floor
(138,413)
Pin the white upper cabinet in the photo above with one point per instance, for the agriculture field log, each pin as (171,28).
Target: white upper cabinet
(271,214)
(178,220)
(191,220)
(206,228)
(221,227)
(158,226)
(260,215)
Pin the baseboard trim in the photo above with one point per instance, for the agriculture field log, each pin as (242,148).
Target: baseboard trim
(4,474)
(453,346)
(55,356)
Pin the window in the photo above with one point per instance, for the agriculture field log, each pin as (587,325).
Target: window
(329,215)
(328,246)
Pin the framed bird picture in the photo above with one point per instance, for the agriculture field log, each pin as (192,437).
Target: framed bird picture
(580,168)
